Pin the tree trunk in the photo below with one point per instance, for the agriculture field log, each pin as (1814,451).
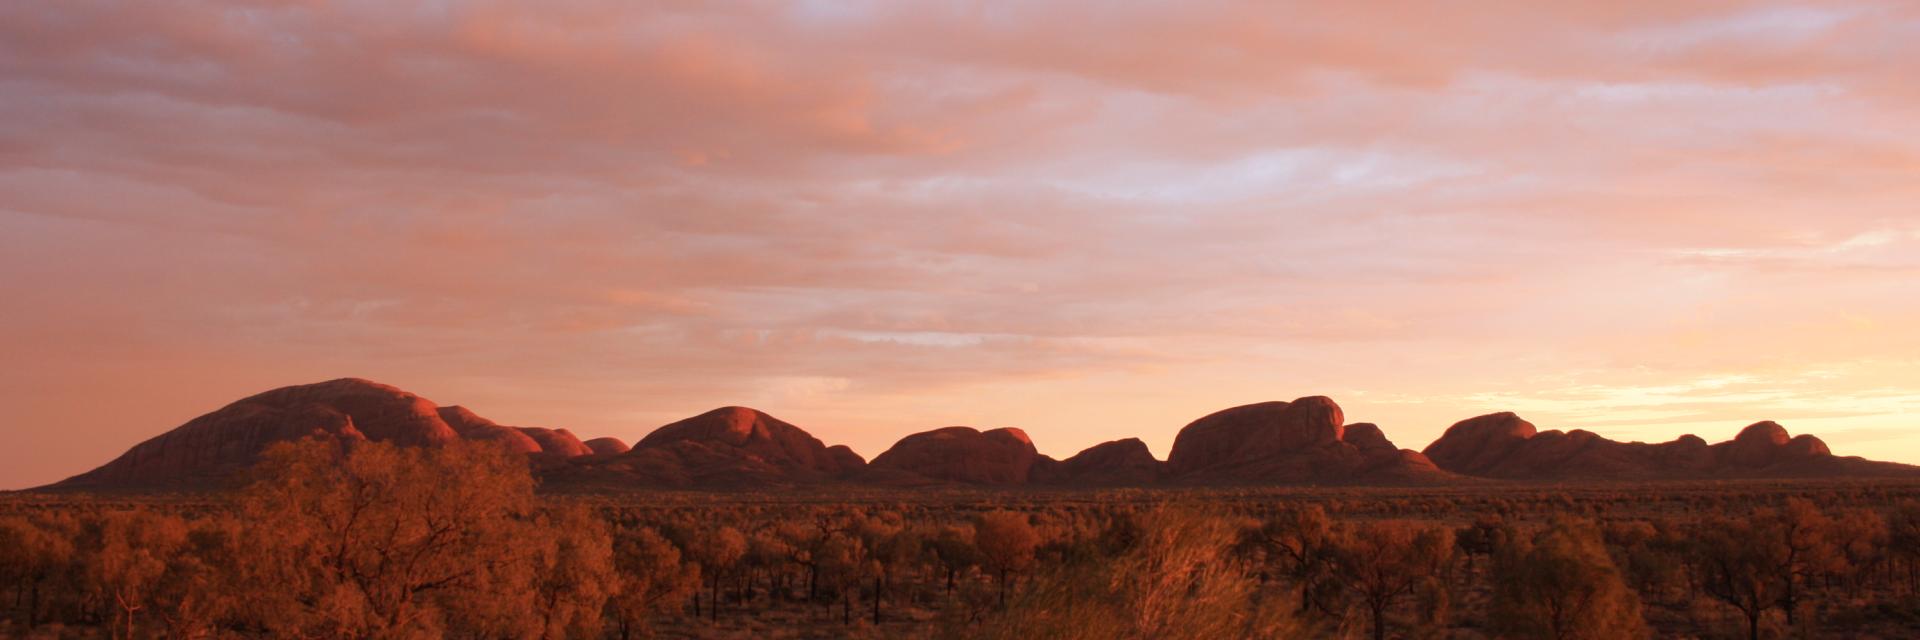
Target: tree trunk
(876,600)
(1003,588)
(1379,621)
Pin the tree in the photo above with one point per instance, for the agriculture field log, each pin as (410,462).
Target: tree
(1006,541)
(651,579)
(1382,562)
(573,573)
(370,539)
(1295,543)
(717,554)
(1799,531)
(953,548)
(1562,585)
(128,558)
(1737,562)
(33,552)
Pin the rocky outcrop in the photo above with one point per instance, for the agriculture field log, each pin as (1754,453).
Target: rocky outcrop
(751,433)
(963,454)
(1504,446)
(729,447)
(1304,441)
(1116,463)
(474,427)
(212,449)
(558,443)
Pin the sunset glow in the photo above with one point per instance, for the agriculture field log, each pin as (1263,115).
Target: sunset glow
(1086,220)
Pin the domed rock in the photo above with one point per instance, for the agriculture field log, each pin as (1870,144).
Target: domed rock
(1368,437)
(963,454)
(1118,462)
(1254,431)
(845,458)
(750,432)
(607,446)
(1296,442)
(1805,446)
(213,448)
(473,427)
(1756,446)
(558,443)
(1476,445)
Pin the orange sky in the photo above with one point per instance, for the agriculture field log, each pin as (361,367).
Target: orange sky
(1088,220)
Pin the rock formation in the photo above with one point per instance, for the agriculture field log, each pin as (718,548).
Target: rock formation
(212,449)
(1304,441)
(1504,446)
(607,446)
(962,454)
(725,447)
(1115,463)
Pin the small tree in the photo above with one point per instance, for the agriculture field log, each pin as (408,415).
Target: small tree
(651,579)
(573,573)
(1006,541)
(953,548)
(1562,585)
(1383,562)
(718,554)
(1738,563)
(1297,544)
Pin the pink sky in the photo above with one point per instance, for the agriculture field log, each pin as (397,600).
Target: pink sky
(1088,220)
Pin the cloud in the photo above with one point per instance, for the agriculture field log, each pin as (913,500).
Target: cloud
(1086,219)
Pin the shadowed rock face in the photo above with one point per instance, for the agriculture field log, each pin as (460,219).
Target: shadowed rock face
(1300,441)
(1504,446)
(963,454)
(213,448)
(1119,462)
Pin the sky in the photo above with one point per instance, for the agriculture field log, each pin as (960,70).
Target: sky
(1089,220)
